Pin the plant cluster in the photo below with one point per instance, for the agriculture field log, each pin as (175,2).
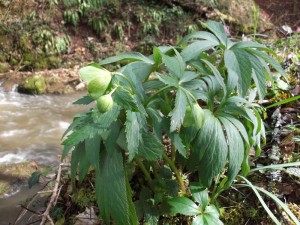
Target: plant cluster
(172,130)
(115,18)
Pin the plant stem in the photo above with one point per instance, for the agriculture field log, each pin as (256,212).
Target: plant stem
(176,172)
(144,170)
(156,93)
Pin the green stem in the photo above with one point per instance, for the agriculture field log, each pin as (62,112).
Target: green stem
(173,153)
(144,170)
(156,93)
(125,77)
(176,172)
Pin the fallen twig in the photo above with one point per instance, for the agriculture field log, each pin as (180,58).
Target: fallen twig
(45,215)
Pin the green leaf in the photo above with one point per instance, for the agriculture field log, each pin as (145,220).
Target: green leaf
(130,56)
(84,100)
(157,56)
(211,148)
(92,149)
(175,64)
(188,76)
(244,72)
(75,160)
(183,206)
(34,179)
(111,190)
(167,79)
(92,123)
(233,70)
(217,29)
(199,35)
(125,99)
(284,101)
(235,149)
(217,75)
(178,112)
(268,59)
(135,125)
(150,148)
(200,194)
(83,164)
(193,50)
(247,45)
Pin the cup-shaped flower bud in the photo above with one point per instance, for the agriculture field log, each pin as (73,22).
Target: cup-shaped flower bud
(98,86)
(104,103)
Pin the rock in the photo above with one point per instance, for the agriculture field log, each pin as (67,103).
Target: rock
(12,176)
(33,85)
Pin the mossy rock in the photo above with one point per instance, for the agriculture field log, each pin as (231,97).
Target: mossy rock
(4,67)
(33,85)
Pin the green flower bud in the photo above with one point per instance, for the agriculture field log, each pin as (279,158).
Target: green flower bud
(98,86)
(194,116)
(104,103)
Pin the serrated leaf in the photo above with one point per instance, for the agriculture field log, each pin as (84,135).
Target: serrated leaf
(153,84)
(130,56)
(85,100)
(135,124)
(125,99)
(150,148)
(217,29)
(92,149)
(178,112)
(93,123)
(212,150)
(217,75)
(83,164)
(111,190)
(175,64)
(193,50)
(200,194)
(183,206)
(235,149)
(268,59)
(245,71)
(168,79)
(34,179)
(233,70)
(247,44)
(199,35)
(188,76)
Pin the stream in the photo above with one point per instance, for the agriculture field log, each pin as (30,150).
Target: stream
(31,128)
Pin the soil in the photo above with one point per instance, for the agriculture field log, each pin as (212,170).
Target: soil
(281,12)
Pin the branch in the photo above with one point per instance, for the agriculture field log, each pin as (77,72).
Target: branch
(45,215)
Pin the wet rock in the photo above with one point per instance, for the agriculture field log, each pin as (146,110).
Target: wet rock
(33,85)
(13,176)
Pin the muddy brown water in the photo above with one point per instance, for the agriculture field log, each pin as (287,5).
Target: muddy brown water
(31,128)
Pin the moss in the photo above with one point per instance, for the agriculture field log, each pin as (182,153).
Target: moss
(33,85)
(53,61)
(41,63)
(4,67)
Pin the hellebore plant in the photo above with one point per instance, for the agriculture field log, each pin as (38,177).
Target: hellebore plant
(171,130)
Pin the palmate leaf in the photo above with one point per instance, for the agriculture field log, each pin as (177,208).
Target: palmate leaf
(209,150)
(125,99)
(93,123)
